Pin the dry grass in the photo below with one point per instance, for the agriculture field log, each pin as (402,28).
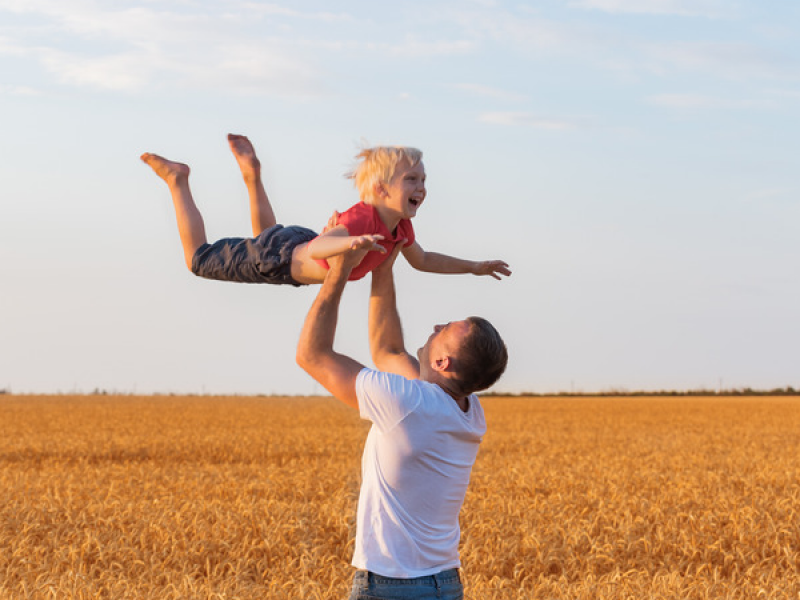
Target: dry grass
(126,497)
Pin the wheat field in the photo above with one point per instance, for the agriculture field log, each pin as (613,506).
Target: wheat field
(244,498)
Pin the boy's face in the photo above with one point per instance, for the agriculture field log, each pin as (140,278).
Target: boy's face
(405,192)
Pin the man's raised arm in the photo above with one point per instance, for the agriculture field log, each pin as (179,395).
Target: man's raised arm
(336,372)
(385,331)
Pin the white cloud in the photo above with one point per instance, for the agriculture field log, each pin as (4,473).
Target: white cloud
(680,100)
(268,48)
(271,9)
(485,3)
(415,48)
(526,119)
(701,101)
(11,47)
(123,72)
(611,46)
(532,33)
(684,8)
(244,46)
(18,90)
(129,48)
(489,92)
(254,69)
(731,60)
(513,25)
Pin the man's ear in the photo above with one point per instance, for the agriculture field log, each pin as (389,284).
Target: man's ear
(441,364)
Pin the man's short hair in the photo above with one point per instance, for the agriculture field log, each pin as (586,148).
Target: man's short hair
(482,357)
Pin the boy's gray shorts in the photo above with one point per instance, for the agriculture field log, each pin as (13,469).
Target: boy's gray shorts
(263,259)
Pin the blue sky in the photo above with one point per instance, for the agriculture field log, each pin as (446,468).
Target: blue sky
(635,161)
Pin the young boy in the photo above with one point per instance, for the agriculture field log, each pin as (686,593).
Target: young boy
(391,184)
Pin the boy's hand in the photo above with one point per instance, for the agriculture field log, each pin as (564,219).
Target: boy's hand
(359,247)
(368,243)
(492,267)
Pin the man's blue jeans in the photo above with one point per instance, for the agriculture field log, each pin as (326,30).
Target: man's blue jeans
(442,586)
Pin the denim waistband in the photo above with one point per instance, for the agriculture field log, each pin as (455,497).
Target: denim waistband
(437,579)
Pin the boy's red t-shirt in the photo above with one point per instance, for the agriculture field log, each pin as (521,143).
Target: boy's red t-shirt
(363,219)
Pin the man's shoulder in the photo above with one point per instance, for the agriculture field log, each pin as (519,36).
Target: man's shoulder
(389,381)
(387,398)
(393,387)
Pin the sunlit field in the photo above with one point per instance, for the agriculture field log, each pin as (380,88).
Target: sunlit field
(212,498)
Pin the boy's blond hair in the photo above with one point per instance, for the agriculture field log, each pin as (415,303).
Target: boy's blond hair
(377,165)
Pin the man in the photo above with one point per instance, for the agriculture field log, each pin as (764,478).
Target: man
(427,425)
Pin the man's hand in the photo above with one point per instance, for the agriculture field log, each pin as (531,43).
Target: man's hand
(333,221)
(492,267)
(387,265)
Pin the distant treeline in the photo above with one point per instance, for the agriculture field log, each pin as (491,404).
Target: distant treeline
(787,391)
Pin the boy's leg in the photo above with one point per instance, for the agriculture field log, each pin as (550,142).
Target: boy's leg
(190,222)
(261,214)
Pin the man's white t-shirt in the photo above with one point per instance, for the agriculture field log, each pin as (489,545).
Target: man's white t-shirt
(415,470)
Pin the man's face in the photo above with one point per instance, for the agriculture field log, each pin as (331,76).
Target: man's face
(444,341)
(405,192)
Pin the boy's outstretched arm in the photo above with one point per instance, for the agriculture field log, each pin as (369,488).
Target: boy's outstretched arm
(336,241)
(336,372)
(433,262)
(385,331)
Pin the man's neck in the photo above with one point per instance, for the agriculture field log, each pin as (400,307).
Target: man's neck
(462,401)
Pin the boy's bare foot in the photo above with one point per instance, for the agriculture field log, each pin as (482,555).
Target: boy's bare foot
(170,171)
(245,155)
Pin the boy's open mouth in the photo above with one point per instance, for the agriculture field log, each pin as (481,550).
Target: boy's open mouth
(413,202)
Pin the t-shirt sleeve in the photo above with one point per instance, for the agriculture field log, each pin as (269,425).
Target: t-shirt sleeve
(385,398)
(406,230)
(357,221)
